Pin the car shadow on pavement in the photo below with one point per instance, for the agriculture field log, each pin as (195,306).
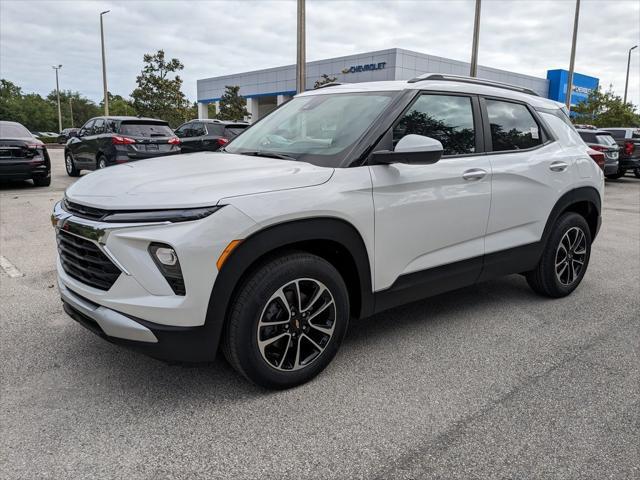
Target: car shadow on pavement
(144,377)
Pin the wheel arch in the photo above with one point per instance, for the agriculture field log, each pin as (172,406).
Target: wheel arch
(584,201)
(333,239)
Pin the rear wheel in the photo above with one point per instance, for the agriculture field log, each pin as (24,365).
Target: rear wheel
(565,258)
(70,166)
(101,162)
(287,321)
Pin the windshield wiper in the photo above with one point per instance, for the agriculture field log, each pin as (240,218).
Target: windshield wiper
(260,153)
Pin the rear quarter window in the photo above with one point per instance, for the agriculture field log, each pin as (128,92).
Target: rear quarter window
(234,131)
(146,129)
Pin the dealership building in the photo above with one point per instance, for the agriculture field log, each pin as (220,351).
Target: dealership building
(268,88)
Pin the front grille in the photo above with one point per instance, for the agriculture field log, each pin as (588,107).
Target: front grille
(83,211)
(84,261)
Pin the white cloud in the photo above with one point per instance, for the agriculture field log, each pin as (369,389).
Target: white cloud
(216,38)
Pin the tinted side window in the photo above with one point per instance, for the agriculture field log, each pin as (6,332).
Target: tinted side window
(448,119)
(512,126)
(198,129)
(181,131)
(217,130)
(87,127)
(99,127)
(588,137)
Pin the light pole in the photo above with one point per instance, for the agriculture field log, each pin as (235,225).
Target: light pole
(573,56)
(71,111)
(301,47)
(104,66)
(626,83)
(58,97)
(476,40)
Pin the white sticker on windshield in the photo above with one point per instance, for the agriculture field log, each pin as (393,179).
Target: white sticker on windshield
(534,133)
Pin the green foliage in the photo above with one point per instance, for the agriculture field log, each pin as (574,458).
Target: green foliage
(159,92)
(605,109)
(324,80)
(119,106)
(37,113)
(232,105)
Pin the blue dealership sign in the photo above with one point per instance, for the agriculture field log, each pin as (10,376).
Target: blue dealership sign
(582,86)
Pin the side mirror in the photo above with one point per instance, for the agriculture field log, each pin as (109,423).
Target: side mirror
(411,149)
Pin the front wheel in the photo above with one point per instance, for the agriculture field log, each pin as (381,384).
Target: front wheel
(565,258)
(287,321)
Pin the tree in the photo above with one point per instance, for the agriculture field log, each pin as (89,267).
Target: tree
(605,109)
(119,105)
(159,93)
(83,108)
(325,79)
(232,105)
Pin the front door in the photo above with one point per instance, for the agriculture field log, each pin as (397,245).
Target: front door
(429,216)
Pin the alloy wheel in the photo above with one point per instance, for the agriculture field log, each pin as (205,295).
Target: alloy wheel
(68,163)
(570,256)
(296,324)
(102,163)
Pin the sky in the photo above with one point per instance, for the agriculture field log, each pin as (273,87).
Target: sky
(214,38)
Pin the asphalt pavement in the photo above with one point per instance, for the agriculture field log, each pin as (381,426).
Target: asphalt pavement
(490,381)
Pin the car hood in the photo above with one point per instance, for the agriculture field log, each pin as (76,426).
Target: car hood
(191,180)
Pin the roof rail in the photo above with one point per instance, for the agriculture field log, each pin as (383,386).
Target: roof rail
(331,84)
(476,81)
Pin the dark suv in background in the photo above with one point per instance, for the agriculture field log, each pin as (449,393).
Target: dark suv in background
(208,135)
(629,141)
(105,141)
(603,142)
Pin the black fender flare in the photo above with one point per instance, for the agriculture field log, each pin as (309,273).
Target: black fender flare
(573,197)
(281,236)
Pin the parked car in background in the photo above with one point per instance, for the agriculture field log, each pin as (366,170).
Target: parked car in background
(602,141)
(629,141)
(208,134)
(66,134)
(269,249)
(39,134)
(23,156)
(104,141)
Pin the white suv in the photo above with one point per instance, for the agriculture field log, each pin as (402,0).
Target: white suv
(345,201)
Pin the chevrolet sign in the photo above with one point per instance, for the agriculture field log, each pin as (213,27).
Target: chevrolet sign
(364,68)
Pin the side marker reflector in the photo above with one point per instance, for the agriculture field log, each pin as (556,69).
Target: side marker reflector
(226,252)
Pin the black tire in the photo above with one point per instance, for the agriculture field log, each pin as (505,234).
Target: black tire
(42,181)
(101,162)
(636,172)
(70,165)
(276,365)
(548,281)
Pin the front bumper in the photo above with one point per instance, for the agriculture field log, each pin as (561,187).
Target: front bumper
(140,310)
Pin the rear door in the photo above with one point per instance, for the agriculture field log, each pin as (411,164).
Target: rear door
(530,172)
(435,215)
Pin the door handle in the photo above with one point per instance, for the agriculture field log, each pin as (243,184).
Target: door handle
(558,166)
(474,174)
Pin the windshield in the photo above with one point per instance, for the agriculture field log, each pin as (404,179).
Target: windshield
(146,129)
(13,130)
(320,129)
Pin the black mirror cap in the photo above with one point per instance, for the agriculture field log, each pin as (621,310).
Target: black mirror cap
(386,157)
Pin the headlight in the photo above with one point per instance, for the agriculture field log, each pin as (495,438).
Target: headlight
(182,215)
